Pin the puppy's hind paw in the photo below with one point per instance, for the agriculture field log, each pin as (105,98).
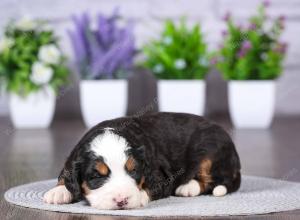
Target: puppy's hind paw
(58,195)
(220,190)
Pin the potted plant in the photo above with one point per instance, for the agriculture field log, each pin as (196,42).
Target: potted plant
(32,68)
(251,59)
(104,58)
(179,59)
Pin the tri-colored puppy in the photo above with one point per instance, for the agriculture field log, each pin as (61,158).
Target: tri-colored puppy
(126,162)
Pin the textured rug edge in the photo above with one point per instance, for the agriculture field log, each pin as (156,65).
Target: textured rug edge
(23,205)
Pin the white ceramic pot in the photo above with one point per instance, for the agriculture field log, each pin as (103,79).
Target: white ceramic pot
(33,111)
(102,100)
(182,96)
(252,103)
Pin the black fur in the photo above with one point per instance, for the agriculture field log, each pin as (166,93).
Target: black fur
(168,149)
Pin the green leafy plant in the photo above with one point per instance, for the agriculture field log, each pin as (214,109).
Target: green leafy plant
(254,52)
(30,58)
(180,53)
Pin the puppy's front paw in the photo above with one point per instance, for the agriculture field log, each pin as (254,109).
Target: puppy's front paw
(192,188)
(58,195)
(144,198)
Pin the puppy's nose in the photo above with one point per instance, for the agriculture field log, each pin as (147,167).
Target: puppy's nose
(121,201)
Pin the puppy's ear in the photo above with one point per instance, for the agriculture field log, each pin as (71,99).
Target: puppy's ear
(72,179)
(139,154)
(140,151)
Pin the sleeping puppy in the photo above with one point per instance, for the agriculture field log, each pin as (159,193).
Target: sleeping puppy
(126,162)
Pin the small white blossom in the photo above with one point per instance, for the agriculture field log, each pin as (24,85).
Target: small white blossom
(46,27)
(158,68)
(180,64)
(6,43)
(167,40)
(264,56)
(40,73)
(49,54)
(26,24)
(203,61)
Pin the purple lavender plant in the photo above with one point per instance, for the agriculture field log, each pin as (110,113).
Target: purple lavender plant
(105,52)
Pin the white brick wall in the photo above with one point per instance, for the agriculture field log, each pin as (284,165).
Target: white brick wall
(245,8)
(149,14)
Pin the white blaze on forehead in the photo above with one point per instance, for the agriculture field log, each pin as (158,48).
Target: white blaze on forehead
(111,147)
(119,184)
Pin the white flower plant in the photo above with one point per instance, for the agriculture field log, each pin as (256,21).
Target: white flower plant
(179,53)
(30,58)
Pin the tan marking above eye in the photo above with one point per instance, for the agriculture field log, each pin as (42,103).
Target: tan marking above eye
(102,168)
(130,164)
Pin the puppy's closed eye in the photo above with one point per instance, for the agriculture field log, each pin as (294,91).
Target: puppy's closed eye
(95,175)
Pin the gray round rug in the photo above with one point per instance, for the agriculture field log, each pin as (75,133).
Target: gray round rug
(257,195)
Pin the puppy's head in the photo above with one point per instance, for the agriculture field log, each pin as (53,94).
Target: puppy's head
(112,173)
